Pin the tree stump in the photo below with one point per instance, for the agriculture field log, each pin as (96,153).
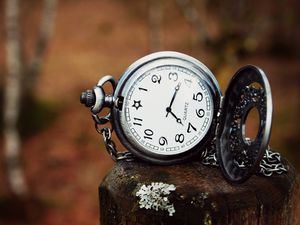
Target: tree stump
(140,193)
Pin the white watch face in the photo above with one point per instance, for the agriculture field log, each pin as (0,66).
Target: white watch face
(167,110)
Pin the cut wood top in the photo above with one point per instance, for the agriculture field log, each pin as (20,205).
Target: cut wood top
(201,196)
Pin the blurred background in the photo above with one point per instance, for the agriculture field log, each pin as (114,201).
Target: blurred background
(51,158)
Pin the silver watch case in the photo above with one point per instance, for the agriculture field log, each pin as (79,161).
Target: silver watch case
(142,65)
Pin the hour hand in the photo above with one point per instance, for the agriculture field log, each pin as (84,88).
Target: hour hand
(178,120)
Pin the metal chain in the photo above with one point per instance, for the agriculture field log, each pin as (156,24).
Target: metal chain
(269,165)
(209,157)
(111,146)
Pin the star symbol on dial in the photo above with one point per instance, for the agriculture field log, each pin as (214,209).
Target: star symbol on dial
(137,104)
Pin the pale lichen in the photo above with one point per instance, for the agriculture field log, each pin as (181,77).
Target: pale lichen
(207,219)
(155,196)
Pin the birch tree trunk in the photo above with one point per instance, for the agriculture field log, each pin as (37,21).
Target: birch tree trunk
(14,89)
(46,28)
(12,96)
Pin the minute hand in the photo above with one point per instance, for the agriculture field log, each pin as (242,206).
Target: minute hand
(173,97)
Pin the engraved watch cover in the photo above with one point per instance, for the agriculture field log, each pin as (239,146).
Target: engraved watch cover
(238,155)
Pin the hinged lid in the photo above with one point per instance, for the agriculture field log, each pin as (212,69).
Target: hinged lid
(238,155)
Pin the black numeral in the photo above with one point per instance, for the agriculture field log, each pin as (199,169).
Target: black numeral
(138,121)
(148,134)
(156,78)
(189,128)
(173,76)
(143,89)
(163,141)
(198,97)
(200,113)
(179,138)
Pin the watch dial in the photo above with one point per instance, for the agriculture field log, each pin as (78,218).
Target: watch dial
(167,110)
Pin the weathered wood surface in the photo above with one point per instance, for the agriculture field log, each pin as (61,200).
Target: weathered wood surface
(202,196)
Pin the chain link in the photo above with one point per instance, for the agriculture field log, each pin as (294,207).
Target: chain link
(269,165)
(209,157)
(111,146)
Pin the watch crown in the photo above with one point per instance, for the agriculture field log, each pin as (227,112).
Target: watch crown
(88,98)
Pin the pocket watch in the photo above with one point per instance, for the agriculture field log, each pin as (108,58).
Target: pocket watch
(167,108)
